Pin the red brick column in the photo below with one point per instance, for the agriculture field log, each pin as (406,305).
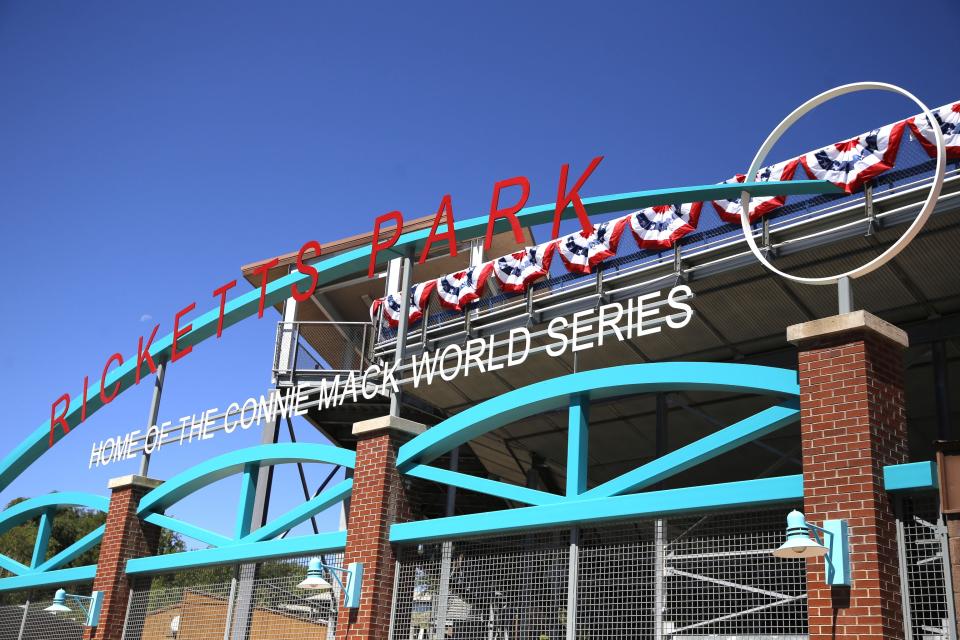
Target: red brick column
(378,500)
(852,425)
(125,537)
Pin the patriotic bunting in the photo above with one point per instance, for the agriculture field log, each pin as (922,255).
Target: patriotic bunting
(459,289)
(660,227)
(852,163)
(948,119)
(419,298)
(581,253)
(517,270)
(730,210)
(849,165)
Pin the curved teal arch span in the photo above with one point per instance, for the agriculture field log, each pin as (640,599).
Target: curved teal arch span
(45,507)
(246,462)
(354,262)
(597,384)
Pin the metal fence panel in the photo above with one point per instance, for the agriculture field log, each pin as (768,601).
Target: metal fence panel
(924,568)
(278,610)
(707,576)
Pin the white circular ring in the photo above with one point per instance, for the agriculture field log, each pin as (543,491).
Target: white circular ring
(907,236)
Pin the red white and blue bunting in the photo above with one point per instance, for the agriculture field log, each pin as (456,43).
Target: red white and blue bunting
(580,253)
(517,270)
(659,227)
(948,119)
(730,210)
(419,299)
(850,164)
(459,289)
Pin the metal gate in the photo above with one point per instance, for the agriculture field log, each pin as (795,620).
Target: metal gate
(924,569)
(258,603)
(687,577)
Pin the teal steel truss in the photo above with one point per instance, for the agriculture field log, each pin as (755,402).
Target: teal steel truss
(44,571)
(616,498)
(245,545)
(354,262)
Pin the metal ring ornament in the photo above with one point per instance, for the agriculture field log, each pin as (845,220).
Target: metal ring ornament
(907,236)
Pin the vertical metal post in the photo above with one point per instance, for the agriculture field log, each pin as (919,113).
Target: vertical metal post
(452,490)
(941,388)
(443,594)
(572,579)
(393,607)
(23,620)
(126,616)
(844,295)
(868,202)
(152,418)
(660,436)
(659,591)
(943,534)
(406,268)
(902,561)
(233,595)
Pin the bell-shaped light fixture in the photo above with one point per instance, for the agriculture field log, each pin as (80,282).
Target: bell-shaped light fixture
(314,579)
(59,603)
(799,543)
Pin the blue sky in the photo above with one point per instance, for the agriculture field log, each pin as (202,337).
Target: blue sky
(148,150)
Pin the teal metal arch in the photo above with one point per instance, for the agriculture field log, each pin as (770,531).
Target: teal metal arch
(245,544)
(356,261)
(614,498)
(43,571)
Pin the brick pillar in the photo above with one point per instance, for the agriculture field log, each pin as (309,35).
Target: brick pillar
(853,424)
(378,500)
(125,537)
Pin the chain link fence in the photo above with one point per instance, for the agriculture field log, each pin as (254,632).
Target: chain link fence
(696,577)
(260,602)
(924,568)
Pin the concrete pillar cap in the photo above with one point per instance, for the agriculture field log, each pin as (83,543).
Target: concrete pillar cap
(133,481)
(844,323)
(386,423)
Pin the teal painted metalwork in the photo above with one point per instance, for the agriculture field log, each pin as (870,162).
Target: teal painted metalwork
(185,528)
(483,485)
(45,507)
(248,494)
(301,513)
(235,553)
(711,446)
(354,262)
(578,437)
(234,462)
(598,384)
(49,578)
(44,529)
(246,545)
(728,495)
(911,477)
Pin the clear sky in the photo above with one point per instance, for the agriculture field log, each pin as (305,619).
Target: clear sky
(148,150)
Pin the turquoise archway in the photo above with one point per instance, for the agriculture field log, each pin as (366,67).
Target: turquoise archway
(356,261)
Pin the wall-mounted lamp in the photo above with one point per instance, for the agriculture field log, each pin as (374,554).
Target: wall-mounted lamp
(351,588)
(89,604)
(833,545)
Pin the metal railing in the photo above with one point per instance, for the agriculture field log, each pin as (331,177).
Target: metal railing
(311,351)
(808,222)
